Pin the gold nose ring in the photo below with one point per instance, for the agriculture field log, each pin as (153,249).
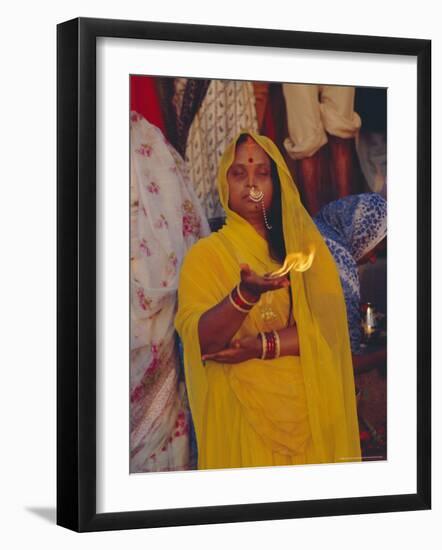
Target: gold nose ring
(255,195)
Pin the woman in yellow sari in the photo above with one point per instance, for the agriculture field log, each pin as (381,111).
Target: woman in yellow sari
(267,360)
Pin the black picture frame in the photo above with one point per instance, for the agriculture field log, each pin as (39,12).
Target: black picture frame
(76,274)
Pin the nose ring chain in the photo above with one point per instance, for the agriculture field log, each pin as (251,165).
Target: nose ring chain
(258,196)
(265,215)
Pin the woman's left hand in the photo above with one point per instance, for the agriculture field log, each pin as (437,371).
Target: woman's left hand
(239,350)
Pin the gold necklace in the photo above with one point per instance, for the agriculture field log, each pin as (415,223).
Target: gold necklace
(265,307)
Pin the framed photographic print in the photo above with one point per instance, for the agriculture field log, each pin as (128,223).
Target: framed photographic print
(239,212)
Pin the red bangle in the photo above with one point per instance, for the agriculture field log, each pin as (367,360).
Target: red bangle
(236,298)
(270,345)
(238,290)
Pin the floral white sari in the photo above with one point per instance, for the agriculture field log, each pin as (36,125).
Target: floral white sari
(166,219)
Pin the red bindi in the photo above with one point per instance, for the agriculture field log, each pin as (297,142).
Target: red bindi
(250,143)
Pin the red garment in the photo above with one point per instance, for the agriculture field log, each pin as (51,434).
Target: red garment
(268,123)
(144,100)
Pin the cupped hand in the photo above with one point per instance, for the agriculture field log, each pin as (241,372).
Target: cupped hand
(256,285)
(239,350)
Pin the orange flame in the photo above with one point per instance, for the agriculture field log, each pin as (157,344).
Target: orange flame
(295,261)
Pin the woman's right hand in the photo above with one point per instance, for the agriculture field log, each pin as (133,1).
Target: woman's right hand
(253,285)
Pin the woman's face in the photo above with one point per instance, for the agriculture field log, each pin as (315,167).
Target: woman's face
(371,255)
(250,168)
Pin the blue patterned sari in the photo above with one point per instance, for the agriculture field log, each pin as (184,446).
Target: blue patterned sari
(351,227)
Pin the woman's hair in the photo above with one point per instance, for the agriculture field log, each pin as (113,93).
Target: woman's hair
(276,236)
(277,248)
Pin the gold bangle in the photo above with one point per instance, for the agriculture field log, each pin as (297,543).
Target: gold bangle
(236,306)
(242,297)
(277,344)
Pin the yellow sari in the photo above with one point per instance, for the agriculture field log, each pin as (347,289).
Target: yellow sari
(290,410)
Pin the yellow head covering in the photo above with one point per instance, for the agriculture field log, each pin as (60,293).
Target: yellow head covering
(318,309)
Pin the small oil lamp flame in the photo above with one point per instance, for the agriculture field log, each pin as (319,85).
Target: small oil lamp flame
(369,321)
(295,261)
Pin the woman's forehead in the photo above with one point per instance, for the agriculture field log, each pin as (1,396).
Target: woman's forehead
(250,152)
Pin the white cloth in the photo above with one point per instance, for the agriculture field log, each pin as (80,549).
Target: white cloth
(313,110)
(227,108)
(166,219)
